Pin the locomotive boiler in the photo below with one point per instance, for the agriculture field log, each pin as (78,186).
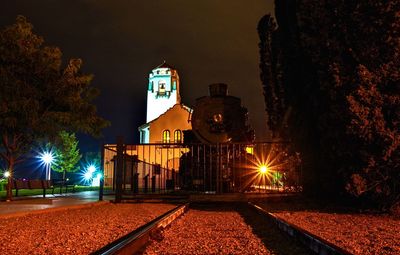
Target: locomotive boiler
(220,118)
(217,143)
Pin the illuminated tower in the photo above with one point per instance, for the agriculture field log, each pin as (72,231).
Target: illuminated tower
(163,91)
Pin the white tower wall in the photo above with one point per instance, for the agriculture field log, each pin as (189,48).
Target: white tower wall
(163,91)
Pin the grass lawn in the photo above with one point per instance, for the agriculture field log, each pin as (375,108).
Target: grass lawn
(32,192)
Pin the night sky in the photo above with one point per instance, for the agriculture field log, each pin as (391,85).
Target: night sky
(207,41)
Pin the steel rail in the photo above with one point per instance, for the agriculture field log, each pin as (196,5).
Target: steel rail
(135,241)
(315,243)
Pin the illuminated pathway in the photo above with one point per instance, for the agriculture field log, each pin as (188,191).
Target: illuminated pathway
(26,204)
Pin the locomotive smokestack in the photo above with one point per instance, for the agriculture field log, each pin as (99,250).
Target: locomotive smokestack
(218,90)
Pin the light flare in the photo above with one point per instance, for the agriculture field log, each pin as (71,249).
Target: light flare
(7,174)
(264,168)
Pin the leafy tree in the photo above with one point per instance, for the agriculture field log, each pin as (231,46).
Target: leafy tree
(271,75)
(39,96)
(274,94)
(340,63)
(67,153)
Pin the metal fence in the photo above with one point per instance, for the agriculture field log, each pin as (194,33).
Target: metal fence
(217,168)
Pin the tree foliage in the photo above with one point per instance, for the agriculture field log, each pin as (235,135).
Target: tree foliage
(39,96)
(93,158)
(66,153)
(340,74)
(271,75)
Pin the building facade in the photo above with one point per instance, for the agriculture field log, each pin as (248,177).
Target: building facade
(162,134)
(166,116)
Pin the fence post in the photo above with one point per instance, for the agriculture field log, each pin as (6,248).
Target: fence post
(120,168)
(101,186)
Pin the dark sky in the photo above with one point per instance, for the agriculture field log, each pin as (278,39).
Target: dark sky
(208,41)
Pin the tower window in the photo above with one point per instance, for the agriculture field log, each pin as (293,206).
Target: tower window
(166,136)
(161,88)
(178,136)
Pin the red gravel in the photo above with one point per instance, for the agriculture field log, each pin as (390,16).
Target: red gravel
(361,234)
(74,231)
(208,232)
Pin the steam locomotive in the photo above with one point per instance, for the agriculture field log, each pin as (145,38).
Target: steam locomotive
(217,144)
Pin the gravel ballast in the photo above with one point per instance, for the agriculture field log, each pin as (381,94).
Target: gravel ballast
(74,231)
(358,233)
(221,232)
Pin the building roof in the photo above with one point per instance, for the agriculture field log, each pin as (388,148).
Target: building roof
(185,107)
(165,65)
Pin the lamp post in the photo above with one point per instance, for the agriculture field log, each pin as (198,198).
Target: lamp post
(47,158)
(88,175)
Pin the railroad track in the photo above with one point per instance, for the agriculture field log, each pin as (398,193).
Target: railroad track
(221,228)
(134,241)
(317,244)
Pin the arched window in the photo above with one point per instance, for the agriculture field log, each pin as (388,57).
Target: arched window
(177,136)
(166,136)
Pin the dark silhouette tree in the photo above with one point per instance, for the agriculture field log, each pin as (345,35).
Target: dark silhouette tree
(269,77)
(340,63)
(38,95)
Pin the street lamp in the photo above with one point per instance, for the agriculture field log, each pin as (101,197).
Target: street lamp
(91,169)
(47,158)
(87,176)
(90,176)
(7,174)
(263,169)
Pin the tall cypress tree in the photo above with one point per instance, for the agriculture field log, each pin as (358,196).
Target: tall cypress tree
(340,63)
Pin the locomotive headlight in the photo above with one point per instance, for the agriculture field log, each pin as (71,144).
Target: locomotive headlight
(263,169)
(218,118)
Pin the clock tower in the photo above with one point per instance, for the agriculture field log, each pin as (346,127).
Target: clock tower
(163,91)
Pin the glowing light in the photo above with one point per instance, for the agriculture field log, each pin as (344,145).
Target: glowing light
(263,169)
(91,169)
(250,150)
(47,157)
(96,180)
(7,174)
(87,176)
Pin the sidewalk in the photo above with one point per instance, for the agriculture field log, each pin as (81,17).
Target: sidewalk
(24,205)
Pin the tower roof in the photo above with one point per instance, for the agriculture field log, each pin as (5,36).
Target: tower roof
(165,65)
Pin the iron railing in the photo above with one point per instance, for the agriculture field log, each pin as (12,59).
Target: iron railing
(208,168)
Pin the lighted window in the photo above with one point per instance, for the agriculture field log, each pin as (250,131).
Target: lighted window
(161,88)
(177,136)
(166,136)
